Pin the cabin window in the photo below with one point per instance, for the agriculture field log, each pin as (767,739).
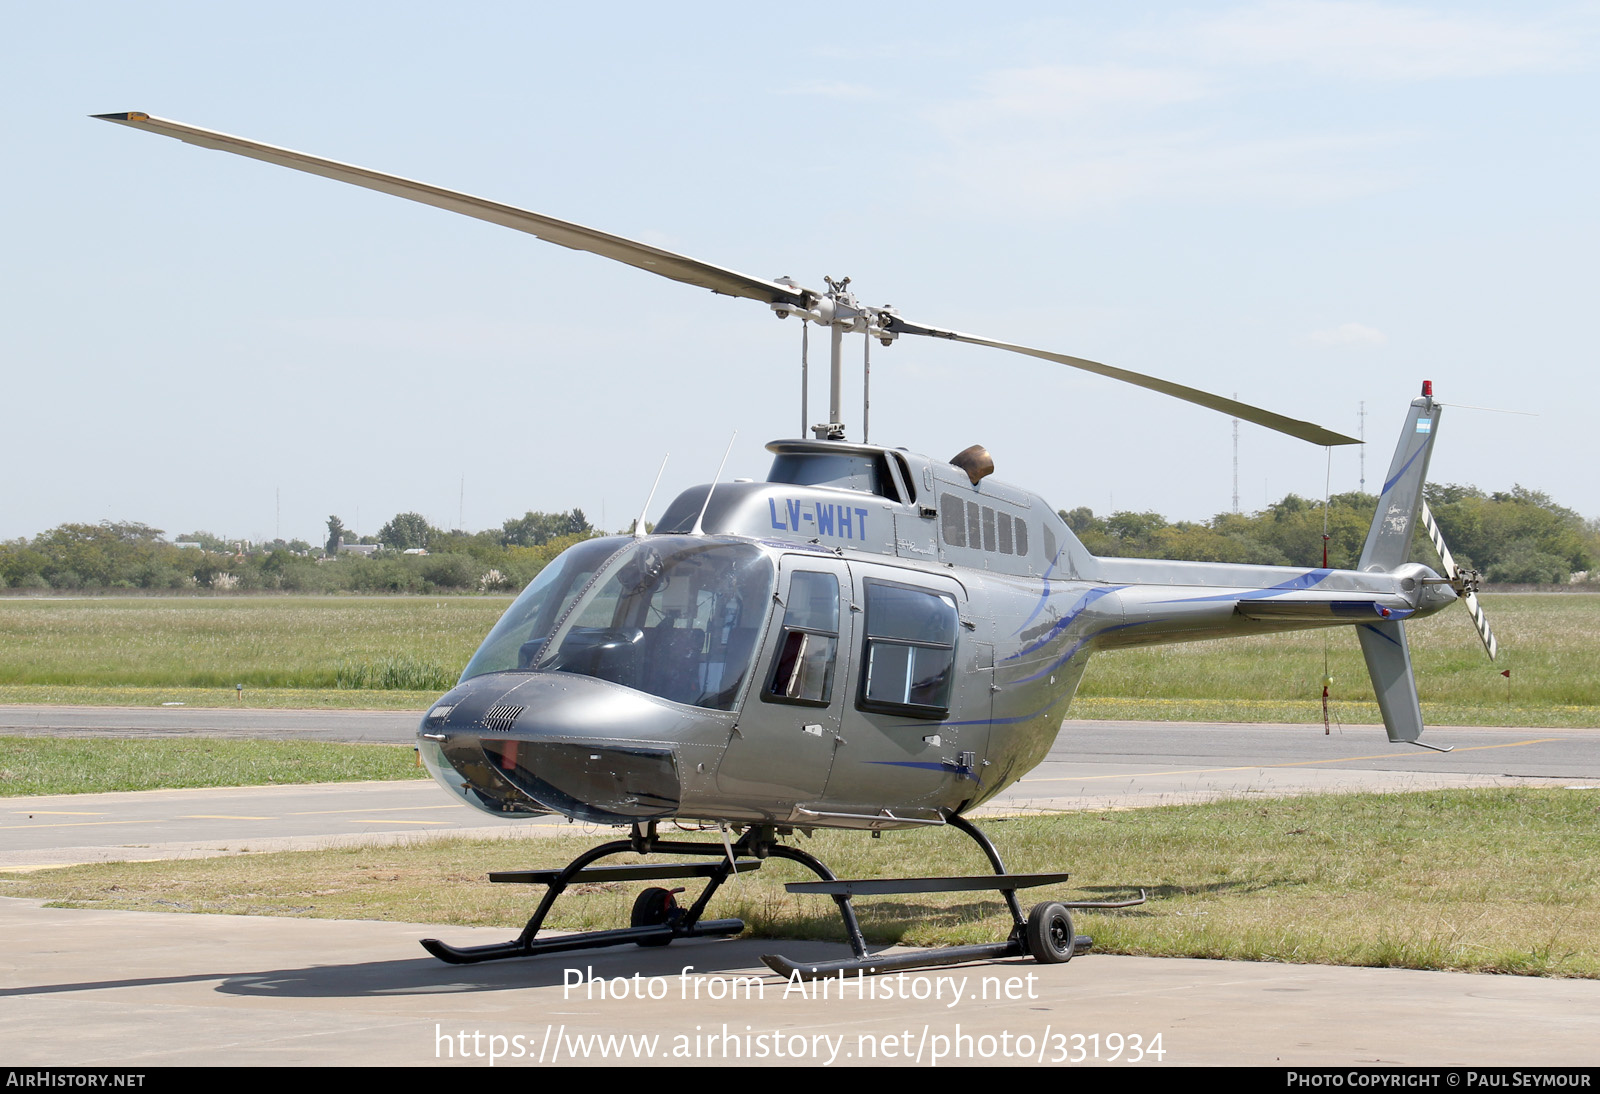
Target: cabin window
(905,475)
(953,519)
(909,652)
(867,472)
(968,524)
(802,671)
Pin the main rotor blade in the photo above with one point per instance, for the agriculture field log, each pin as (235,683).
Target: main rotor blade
(668,264)
(562,232)
(1469,596)
(1306,431)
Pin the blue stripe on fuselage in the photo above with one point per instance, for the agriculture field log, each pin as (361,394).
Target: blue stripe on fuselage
(1307,580)
(1044,596)
(1064,622)
(964,772)
(1073,649)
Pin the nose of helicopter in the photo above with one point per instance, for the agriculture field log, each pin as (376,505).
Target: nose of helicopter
(562,743)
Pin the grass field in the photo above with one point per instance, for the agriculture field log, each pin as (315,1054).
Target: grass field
(265,698)
(1550,643)
(328,643)
(1485,880)
(400,652)
(77,765)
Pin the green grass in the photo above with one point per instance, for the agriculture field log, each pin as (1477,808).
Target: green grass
(263,698)
(52,765)
(1551,644)
(399,653)
(332,643)
(1484,880)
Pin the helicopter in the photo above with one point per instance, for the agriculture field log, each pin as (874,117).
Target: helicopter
(868,639)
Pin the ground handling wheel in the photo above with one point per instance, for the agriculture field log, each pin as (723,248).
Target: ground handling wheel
(654,906)
(1049,933)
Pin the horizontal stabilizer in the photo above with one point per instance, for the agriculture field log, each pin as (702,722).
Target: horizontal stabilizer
(1324,609)
(1389,663)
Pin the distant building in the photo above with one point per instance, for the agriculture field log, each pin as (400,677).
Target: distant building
(363,549)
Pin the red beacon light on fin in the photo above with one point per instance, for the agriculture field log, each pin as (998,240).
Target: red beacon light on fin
(1427,389)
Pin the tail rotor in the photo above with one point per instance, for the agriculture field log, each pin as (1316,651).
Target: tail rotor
(1463,581)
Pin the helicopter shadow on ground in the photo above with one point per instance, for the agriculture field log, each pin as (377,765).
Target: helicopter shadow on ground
(887,921)
(1156,894)
(426,976)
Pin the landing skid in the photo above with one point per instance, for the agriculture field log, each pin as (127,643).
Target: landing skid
(1047,933)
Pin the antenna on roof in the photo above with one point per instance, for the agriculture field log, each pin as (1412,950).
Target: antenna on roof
(638,525)
(700,520)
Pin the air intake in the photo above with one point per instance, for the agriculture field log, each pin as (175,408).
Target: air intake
(501,718)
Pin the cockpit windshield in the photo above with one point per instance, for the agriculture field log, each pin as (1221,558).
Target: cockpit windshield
(678,617)
(527,624)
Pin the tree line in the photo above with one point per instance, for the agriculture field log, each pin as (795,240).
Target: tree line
(128,556)
(1514,537)
(1518,536)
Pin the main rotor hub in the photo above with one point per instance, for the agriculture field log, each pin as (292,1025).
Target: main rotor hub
(842,314)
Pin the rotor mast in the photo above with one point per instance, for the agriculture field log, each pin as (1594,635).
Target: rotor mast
(839,311)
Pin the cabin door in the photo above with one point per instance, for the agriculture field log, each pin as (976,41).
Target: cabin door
(789,728)
(913,704)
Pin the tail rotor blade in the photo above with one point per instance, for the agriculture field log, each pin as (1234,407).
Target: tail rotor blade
(1465,582)
(1437,537)
(1480,621)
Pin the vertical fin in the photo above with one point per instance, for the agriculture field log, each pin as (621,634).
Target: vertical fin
(1389,539)
(1389,663)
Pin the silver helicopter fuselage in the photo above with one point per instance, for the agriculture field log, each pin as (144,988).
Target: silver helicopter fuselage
(869,639)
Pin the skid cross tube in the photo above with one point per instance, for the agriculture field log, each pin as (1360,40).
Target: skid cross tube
(1000,881)
(687,925)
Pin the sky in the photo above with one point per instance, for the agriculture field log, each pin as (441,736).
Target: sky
(1313,204)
